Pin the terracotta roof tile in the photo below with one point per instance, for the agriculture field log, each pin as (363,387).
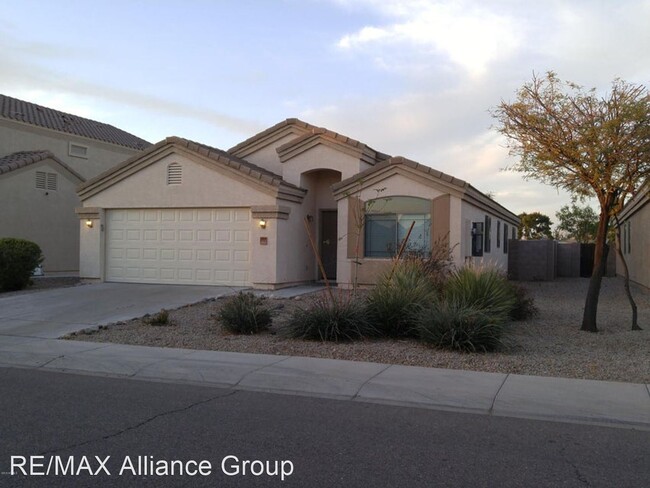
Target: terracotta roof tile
(30,113)
(25,158)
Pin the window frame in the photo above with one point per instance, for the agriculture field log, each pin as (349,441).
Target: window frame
(400,220)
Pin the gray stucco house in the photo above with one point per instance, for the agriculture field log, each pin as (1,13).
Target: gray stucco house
(44,155)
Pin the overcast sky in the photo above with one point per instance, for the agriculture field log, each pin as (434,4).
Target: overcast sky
(411,78)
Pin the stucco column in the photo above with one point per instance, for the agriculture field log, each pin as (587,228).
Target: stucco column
(266,225)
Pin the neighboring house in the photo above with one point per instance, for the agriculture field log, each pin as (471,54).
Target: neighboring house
(44,155)
(635,237)
(183,212)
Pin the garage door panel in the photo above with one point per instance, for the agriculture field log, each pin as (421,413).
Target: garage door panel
(206,246)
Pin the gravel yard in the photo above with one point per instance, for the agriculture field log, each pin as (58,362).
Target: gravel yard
(549,345)
(45,283)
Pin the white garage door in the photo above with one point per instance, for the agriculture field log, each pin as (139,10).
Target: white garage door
(207,246)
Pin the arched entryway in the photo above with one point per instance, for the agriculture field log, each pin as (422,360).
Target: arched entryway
(321,211)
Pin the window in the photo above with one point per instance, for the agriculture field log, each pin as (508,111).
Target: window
(505,238)
(477,238)
(488,232)
(628,237)
(78,151)
(388,221)
(174,174)
(46,181)
(513,236)
(498,234)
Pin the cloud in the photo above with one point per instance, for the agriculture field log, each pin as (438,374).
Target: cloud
(459,33)
(19,76)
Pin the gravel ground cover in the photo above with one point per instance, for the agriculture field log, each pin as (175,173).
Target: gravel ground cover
(551,344)
(45,283)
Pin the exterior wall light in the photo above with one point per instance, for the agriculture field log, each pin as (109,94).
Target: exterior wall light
(89,223)
(262,224)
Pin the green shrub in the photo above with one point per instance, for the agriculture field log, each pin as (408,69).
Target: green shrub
(396,299)
(339,320)
(160,318)
(450,323)
(18,260)
(245,313)
(483,288)
(524,307)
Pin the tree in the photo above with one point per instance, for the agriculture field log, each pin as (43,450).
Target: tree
(579,223)
(534,225)
(589,145)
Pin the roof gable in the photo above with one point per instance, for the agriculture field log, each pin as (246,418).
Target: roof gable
(307,135)
(213,157)
(32,114)
(423,174)
(269,136)
(331,139)
(22,159)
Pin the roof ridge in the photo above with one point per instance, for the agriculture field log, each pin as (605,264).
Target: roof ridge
(34,114)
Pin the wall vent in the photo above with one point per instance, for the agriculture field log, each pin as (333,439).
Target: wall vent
(174,174)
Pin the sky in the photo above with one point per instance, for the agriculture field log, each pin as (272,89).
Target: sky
(411,78)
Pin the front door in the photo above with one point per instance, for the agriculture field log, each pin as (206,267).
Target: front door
(328,242)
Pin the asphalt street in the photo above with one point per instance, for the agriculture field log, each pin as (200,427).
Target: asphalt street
(108,431)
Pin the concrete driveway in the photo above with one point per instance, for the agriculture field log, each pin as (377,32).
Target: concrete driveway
(52,313)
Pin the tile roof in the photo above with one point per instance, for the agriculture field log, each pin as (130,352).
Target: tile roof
(252,170)
(231,160)
(470,193)
(30,113)
(309,130)
(25,158)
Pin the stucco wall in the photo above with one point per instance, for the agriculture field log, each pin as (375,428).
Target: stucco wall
(395,185)
(45,217)
(267,156)
(15,136)
(322,157)
(201,187)
(638,260)
(496,256)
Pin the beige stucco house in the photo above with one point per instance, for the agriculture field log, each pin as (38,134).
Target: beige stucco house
(183,212)
(635,237)
(44,155)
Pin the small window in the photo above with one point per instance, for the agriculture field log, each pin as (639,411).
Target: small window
(477,238)
(46,181)
(498,234)
(488,232)
(629,237)
(174,174)
(513,236)
(505,238)
(78,151)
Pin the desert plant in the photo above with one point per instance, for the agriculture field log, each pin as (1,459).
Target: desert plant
(245,313)
(398,296)
(484,288)
(160,318)
(18,260)
(342,319)
(524,307)
(451,323)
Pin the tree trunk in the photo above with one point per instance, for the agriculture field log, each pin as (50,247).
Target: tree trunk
(626,275)
(600,261)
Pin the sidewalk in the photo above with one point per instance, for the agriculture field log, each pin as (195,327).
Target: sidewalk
(557,399)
